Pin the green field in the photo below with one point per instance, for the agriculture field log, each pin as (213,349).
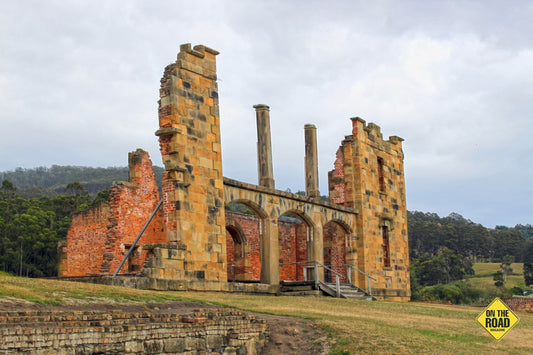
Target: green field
(484,272)
(353,326)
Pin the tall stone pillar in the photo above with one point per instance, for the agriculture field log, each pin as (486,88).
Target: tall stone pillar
(264,146)
(193,194)
(311,162)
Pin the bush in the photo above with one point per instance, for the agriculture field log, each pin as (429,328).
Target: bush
(458,292)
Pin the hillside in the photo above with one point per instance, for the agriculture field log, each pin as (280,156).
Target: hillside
(352,326)
(52,181)
(484,272)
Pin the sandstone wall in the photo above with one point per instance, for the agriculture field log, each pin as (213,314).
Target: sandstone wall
(369,175)
(189,138)
(221,331)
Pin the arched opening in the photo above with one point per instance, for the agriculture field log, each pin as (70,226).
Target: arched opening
(243,242)
(236,252)
(293,235)
(334,242)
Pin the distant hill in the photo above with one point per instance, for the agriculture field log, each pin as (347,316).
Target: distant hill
(52,181)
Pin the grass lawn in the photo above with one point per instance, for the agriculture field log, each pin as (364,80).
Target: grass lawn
(353,326)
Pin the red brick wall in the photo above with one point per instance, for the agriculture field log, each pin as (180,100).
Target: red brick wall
(230,250)
(85,244)
(99,237)
(519,304)
(249,224)
(337,184)
(334,249)
(292,249)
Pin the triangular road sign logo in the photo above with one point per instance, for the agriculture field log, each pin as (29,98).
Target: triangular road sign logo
(497,319)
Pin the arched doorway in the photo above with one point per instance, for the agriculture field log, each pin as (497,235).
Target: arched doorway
(334,242)
(236,249)
(293,235)
(243,242)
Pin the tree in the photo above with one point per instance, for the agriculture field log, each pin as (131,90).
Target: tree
(528,254)
(506,266)
(499,279)
(443,268)
(528,274)
(509,242)
(7,190)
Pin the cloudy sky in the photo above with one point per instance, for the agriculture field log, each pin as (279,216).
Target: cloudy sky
(79,85)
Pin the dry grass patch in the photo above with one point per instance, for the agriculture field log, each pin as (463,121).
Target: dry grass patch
(353,326)
(388,327)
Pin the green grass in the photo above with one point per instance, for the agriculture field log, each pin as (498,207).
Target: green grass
(352,326)
(483,278)
(54,292)
(488,269)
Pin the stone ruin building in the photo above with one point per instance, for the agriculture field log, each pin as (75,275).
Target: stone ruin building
(195,242)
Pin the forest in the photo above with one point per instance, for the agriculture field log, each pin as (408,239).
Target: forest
(36,206)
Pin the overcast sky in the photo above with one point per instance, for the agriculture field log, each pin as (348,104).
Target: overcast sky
(79,85)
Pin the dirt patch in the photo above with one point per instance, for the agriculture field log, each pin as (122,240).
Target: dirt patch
(288,335)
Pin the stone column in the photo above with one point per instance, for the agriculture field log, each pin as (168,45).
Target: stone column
(311,162)
(264,147)
(270,251)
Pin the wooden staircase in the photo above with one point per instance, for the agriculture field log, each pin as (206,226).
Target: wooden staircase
(347,290)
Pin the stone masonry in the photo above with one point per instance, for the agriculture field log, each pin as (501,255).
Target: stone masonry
(216,331)
(189,137)
(194,243)
(368,175)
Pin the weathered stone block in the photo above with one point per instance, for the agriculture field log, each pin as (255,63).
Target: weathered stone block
(174,345)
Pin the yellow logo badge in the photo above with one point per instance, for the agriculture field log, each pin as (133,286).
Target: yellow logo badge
(497,319)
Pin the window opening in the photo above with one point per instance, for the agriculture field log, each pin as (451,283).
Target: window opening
(381,175)
(386,247)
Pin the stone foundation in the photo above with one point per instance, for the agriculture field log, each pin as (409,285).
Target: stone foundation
(220,331)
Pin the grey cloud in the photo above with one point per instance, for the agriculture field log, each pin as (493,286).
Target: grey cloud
(80,81)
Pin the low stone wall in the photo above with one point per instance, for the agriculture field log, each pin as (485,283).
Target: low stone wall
(206,331)
(519,303)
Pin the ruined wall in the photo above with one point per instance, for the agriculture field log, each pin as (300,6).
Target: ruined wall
(221,331)
(85,244)
(189,138)
(369,175)
(190,245)
(99,237)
